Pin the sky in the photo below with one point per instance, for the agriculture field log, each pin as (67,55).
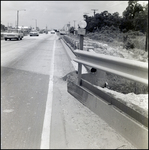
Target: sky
(56,14)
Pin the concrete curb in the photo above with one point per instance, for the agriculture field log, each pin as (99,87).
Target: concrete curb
(134,132)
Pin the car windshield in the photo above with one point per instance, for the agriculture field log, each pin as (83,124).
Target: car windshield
(14,31)
(10,31)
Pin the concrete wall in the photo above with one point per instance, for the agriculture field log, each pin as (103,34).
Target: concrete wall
(133,131)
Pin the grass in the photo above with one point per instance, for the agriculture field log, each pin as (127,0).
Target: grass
(114,38)
(129,40)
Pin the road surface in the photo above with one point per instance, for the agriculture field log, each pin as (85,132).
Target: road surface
(36,110)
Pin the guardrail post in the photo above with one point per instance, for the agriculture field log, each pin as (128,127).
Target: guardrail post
(81,42)
(81,32)
(79,64)
(79,73)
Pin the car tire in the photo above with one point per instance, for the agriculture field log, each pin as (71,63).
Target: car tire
(18,38)
(5,39)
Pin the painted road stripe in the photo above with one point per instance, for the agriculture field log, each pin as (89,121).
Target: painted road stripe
(45,138)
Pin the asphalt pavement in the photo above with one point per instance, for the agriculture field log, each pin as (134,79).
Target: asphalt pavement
(36,109)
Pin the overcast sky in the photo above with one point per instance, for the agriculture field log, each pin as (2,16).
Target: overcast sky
(55,14)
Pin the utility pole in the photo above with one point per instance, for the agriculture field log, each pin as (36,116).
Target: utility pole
(18,17)
(74,23)
(81,33)
(94,11)
(74,27)
(46,30)
(15,24)
(146,40)
(35,23)
(68,27)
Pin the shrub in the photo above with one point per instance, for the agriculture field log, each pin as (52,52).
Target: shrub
(124,30)
(140,44)
(129,40)
(129,45)
(110,39)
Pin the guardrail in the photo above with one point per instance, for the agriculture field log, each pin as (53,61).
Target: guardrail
(130,69)
(73,43)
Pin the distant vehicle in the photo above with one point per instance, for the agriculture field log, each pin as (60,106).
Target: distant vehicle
(62,32)
(41,31)
(52,32)
(14,34)
(46,31)
(34,33)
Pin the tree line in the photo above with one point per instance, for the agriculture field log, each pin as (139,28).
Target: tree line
(134,18)
(3,28)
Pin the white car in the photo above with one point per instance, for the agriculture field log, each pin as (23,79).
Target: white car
(52,32)
(34,33)
(13,34)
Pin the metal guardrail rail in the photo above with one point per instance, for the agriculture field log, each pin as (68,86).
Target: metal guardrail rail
(130,69)
(133,121)
(73,43)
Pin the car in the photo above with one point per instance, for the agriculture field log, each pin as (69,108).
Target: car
(34,33)
(52,32)
(14,34)
(41,31)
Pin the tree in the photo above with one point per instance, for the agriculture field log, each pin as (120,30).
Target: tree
(146,16)
(97,22)
(90,23)
(71,30)
(116,19)
(3,28)
(140,22)
(133,17)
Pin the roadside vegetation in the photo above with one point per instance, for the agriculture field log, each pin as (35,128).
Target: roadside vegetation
(129,31)
(115,38)
(128,34)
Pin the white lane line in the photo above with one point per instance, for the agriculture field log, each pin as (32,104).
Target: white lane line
(45,138)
